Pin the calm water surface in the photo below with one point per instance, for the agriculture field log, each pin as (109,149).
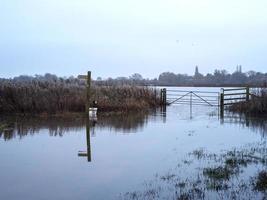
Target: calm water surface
(39,157)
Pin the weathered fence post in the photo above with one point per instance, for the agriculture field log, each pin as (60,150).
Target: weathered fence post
(222,103)
(164,97)
(247,94)
(155,95)
(191,105)
(161,96)
(88,91)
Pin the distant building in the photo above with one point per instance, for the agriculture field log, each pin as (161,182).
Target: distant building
(197,74)
(239,68)
(196,71)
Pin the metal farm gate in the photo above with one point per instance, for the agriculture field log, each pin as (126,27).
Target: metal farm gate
(223,98)
(205,98)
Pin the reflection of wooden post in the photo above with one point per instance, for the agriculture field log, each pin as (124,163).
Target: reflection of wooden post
(163,113)
(247,94)
(88,93)
(247,121)
(222,117)
(88,141)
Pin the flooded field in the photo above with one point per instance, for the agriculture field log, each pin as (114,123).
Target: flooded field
(164,154)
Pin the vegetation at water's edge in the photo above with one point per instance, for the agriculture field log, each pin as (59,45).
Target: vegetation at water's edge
(257,105)
(50,94)
(226,175)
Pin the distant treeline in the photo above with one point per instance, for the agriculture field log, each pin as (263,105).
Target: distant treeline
(219,78)
(51,94)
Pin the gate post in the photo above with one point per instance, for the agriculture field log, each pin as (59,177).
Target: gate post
(222,103)
(161,96)
(191,105)
(164,96)
(247,94)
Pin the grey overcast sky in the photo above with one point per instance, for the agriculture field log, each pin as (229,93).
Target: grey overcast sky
(119,37)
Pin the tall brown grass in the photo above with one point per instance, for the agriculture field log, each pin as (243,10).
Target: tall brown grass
(50,94)
(125,98)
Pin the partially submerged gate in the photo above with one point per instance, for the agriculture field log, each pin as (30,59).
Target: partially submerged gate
(205,98)
(223,98)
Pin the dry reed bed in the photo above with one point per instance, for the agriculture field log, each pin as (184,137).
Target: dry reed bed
(53,95)
(125,98)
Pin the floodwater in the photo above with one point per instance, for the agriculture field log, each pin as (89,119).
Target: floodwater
(155,155)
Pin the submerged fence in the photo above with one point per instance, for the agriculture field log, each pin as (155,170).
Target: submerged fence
(206,98)
(221,99)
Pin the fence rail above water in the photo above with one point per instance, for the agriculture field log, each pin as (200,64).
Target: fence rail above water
(223,98)
(205,98)
(234,95)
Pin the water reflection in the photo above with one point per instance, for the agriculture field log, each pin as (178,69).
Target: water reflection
(116,158)
(256,124)
(125,123)
(163,111)
(20,126)
(88,140)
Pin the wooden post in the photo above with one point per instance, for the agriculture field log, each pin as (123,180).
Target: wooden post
(88,91)
(155,94)
(222,104)
(222,101)
(191,105)
(247,94)
(164,97)
(219,99)
(161,96)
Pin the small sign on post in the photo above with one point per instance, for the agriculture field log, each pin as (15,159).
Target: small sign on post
(82,77)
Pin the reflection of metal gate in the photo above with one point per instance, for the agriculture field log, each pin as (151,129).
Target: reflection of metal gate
(205,98)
